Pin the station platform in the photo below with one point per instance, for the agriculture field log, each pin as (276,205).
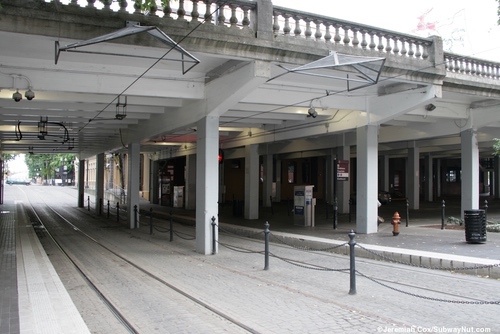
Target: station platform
(33,298)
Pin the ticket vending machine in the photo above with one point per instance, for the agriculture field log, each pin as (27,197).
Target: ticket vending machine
(303,205)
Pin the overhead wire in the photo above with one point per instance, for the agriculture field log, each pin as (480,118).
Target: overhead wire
(218,6)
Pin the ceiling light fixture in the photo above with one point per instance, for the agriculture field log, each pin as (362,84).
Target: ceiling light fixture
(121,109)
(430,107)
(17,96)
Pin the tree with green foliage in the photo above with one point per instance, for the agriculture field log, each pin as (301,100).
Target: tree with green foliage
(496,146)
(47,165)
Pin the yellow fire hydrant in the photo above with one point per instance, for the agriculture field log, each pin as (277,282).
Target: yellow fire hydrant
(396,219)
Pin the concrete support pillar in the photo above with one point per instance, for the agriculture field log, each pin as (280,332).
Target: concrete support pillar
(413,176)
(278,180)
(267,186)
(154,185)
(207,183)
(367,173)
(134,166)
(99,183)
(146,175)
(190,190)
(251,182)
(429,178)
(496,177)
(81,183)
(470,170)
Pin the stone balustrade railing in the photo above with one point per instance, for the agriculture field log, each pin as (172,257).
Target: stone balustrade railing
(300,25)
(472,66)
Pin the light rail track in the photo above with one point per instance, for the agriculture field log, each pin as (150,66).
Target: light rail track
(53,220)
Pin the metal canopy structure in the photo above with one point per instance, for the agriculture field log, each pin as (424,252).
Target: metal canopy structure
(366,70)
(184,56)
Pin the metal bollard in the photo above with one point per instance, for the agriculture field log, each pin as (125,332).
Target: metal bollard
(486,209)
(88,203)
(442,214)
(407,212)
(135,216)
(352,269)
(171,227)
(151,220)
(213,236)
(108,208)
(266,246)
(118,211)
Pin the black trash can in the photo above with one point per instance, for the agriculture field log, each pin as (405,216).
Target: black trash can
(475,226)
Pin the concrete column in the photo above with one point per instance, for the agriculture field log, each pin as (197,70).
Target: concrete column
(153,184)
(251,182)
(413,176)
(496,177)
(470,170)
(146,175)
(134,166)
(278,180)
(207,183)
(81,183)
(367,174)
(384,173)
(267,186)
(429,181)
(99,183)
(263,21)
(190,196)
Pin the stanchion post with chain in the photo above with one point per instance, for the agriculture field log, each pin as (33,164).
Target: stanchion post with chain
(213,236)
(407,212)
(443,208)
(88,203)
(108,208)
(266,246)
(352,269)
(118,212)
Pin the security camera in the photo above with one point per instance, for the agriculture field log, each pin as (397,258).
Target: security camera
(30,95)
(17,96)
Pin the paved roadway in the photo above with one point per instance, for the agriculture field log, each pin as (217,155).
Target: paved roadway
(301,297)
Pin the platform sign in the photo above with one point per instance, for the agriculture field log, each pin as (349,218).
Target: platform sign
(343,170)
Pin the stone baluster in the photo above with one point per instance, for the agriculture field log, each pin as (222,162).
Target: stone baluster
(297,31)
(395,50)
(372,44)
(167,11)
(288,28)
(74,3)
(473,68)
(388,47)
(346,39)
(364,42)
(152,10)
(462,65)
(181,12)
(380,46)
(468,69)
(123,5)
(246,19)
(337,37)
(404,51)
(137,7)
(221,19)
(195,14)
(90,3)
(355,39)
(107,5)
(318,34)
(308,32)
(411,52)
(425,53)
(233,20)
(328,35)
(418,53)
(208,13)
(276,25)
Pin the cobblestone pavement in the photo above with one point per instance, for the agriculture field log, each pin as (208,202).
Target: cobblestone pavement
(303,291)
